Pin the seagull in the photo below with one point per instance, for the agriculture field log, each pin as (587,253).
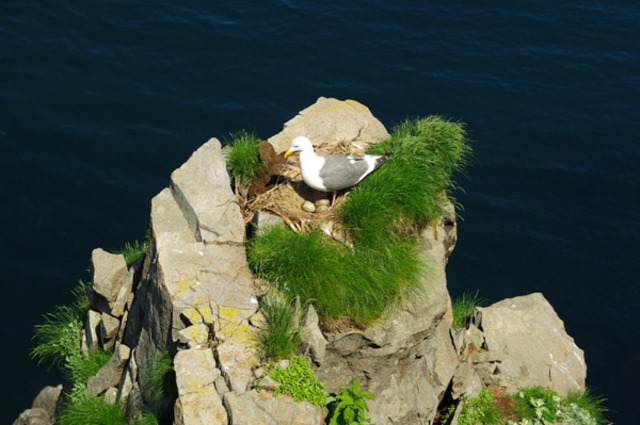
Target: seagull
(331,173)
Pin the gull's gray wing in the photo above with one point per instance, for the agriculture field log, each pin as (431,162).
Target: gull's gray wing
(339,171)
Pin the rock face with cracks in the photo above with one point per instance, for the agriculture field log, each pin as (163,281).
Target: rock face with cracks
(193,296)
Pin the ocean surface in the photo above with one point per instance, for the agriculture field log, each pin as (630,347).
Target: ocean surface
(101,100)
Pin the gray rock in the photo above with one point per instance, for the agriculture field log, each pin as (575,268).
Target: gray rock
(457,337)
(473,336)
(111,395)
(202,188)
(332,121)
(90,335)
(33,416)
(268,383)
(129,378)
(125,292)
(313,342)
(111,373)
(189,282)
(47,399)
(252,408)
(534,346)
(195,336)
(262,220)
(198,401)
(109,273)
(108,330)
(465,382)
(406,358)
(221,385)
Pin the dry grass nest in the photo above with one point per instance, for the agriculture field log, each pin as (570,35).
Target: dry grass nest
(285,192)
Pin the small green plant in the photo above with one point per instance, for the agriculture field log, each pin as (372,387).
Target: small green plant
(479,409)
(159,391)
(538,404)
(279,338)
(243,157)
(92,410)
(58,337)
(299,381)
(350,406)
(587,401)
(463,308)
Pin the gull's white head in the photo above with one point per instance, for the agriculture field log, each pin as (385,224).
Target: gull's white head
(299,144)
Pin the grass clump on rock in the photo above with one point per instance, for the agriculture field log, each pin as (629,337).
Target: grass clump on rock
(463,307)
(381,216)
(243,157)
(57,337)
(159,390)
(280,335)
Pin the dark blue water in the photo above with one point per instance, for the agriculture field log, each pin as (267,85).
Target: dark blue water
(101,100)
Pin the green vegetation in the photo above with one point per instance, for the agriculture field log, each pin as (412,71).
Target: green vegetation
(463,308)
(299,381)
(58,341)
(158,386)
(539,403)
(132,252)
(58,337)
(350,406)
(92,410)
(531,406)
(382,216)
(279,337)
(82,367)
(477,410)
(408,190)
(243,157)
(591,403)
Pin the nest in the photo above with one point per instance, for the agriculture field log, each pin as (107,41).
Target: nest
(279,189)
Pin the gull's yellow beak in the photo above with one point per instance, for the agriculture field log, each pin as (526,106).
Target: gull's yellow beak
(287,154)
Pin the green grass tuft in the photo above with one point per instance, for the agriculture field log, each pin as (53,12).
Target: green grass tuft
(58,337)
(92,410)
(82,367)
(279,338)
(132,252)
(340,283)
(159,390)
(146,419)
(463,308)
(410,188)
(243,157)
(382,215)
